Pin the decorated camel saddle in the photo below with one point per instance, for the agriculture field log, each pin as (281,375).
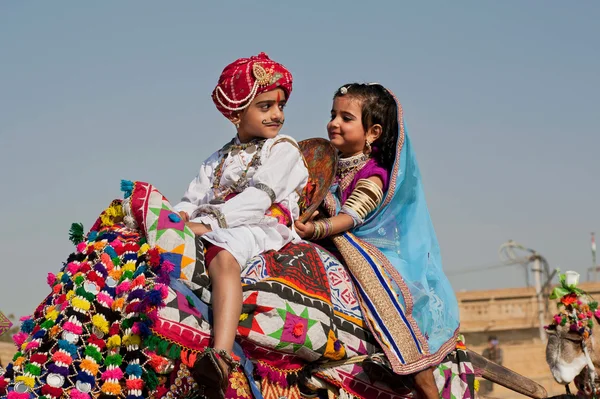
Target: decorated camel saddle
(129,315)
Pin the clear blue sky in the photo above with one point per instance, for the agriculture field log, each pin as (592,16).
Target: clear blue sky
(501,101)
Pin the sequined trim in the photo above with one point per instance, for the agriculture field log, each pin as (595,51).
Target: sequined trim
(266,189)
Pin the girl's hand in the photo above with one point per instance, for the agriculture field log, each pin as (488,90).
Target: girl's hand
(305,230)
(199,229)
(184,216)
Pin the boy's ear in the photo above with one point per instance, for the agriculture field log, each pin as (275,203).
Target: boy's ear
(374,133)
(235,118)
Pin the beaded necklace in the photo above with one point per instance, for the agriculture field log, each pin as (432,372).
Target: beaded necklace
(221,192)
(347,169)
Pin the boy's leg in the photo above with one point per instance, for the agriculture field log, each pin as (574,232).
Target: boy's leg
(224,272)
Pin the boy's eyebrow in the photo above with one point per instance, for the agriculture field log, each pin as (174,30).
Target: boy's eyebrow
(270,101)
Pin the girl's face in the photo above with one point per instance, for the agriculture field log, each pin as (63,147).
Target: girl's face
(345,129)
(263,118)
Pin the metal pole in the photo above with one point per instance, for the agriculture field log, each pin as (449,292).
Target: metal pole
(537,272)
(594,257)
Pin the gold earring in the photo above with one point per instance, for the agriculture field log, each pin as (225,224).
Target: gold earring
(368,148)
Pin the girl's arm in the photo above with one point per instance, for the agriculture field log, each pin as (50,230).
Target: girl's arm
(363,200)
(282,172)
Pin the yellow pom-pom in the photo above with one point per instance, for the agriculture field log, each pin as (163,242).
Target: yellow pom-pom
(113,342)
(70,295)
(100,323)
(476,385)
(27,380)
(129,266)
(52,315)
(80,303)
(143,249)
(131,340)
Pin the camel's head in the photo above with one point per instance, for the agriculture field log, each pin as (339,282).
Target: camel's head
(570,345)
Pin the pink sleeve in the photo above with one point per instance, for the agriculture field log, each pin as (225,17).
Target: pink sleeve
(372,168)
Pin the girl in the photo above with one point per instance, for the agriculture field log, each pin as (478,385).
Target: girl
(245,197)
(380,225)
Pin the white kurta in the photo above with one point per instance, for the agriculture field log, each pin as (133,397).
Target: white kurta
(240,225)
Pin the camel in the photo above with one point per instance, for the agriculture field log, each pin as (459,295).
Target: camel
(572,351)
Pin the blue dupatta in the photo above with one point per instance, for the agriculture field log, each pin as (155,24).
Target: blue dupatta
(394,258)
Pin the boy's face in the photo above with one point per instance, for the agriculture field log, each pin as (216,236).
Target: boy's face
(263,118)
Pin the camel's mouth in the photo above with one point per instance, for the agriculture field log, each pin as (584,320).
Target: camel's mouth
(565,373)
(565,358)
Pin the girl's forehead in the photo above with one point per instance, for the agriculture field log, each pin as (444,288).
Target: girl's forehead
(347,103)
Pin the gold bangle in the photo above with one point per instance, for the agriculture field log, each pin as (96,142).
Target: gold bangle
(365,198)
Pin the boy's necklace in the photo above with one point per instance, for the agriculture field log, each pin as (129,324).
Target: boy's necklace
(241,183)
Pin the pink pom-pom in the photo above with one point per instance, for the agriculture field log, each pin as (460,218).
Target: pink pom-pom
(19,338)
(17,395)
(164,290)
(51,279)
(73,268)
(81,246)
(24,318)
(105,298)
(115,374)
(135,329)
(153,315)
(123,287)
(167,266)
(74,328)
(32,345)
(77,394)
(557,319)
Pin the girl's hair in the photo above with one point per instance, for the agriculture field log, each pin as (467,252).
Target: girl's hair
(378,107)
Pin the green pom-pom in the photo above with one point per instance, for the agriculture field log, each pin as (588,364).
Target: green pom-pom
(17,355)
(48,324)
(174,352)
(92,352)
(150,379)
(114,360)
(33,369)
(590,323)
(127,323)
(162,347)
(593,305)
(83,293)
(76,233)
(563,321)
(128,275)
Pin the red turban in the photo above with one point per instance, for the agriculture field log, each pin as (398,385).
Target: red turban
(245,78)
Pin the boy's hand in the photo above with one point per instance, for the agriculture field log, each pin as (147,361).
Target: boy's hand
(184,216)
(305,230)
(199,229)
